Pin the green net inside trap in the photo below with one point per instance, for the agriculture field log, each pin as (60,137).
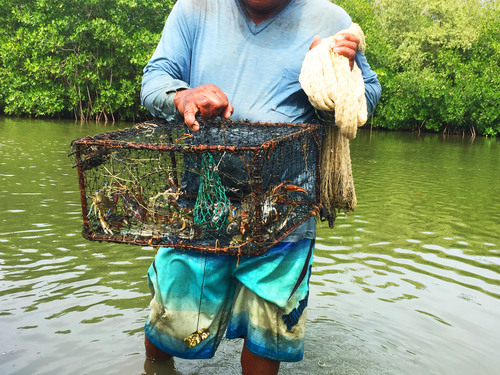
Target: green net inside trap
(231,187)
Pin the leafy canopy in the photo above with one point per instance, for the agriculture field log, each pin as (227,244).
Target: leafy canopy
(82,58)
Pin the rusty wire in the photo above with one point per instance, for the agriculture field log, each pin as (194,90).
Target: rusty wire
(139,185)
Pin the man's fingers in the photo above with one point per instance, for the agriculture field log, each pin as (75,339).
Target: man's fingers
(346,44)
(345,51)
(190,117)
(347,37)
(228,112)
(225,108)
(207,100)
(220,105)
(195,126)
(315,42)
(207,110)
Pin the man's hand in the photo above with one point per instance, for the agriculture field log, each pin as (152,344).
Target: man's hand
(345,44)
(207,100)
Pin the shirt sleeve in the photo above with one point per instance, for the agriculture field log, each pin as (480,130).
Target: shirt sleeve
(373,90)
(168,70)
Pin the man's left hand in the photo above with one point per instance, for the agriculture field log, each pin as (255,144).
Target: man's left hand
(345,44)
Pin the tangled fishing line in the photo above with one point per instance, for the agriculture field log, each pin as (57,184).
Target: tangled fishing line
(339,93)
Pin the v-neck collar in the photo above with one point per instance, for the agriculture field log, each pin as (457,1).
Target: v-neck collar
(255,29)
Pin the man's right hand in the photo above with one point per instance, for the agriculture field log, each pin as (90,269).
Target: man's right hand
(207,100)
(346,44)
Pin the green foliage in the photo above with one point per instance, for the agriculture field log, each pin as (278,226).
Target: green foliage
(76,58)
(440,64)
(438,60)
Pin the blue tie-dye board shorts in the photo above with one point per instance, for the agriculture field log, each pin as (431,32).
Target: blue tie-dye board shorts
(262,298)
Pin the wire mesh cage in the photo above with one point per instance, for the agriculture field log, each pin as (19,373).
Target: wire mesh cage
(232,187)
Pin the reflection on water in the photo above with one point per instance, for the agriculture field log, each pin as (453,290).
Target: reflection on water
(408,283)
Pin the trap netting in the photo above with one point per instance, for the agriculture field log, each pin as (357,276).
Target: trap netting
(231,187)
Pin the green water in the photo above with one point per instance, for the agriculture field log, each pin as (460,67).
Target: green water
(407,284)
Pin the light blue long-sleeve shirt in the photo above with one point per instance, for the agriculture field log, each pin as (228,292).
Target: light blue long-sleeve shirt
(256,66)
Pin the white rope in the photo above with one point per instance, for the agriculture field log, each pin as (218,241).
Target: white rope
(331,85)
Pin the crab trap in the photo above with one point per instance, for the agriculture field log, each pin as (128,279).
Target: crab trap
(232,187)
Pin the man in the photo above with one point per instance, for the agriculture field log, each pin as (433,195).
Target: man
(239,59)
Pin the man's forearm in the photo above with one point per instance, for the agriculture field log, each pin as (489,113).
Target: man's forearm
(158,92)
(373,90)
(163,106)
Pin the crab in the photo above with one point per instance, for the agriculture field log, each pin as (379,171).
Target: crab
(101,206)
(133,204)
(164,207)
(274,200)
(164,203)
(275,207)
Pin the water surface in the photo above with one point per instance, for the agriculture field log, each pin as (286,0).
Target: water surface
(407,284)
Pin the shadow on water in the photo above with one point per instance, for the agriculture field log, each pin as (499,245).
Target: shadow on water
(407,284)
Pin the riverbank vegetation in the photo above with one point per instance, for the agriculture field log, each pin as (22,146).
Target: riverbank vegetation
(438,61)
(77,58)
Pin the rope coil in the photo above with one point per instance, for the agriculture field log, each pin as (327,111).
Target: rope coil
(339,93)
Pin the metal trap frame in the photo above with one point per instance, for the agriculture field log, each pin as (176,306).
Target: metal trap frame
(235,188)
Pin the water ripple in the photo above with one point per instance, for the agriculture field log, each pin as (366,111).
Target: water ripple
(403,285)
